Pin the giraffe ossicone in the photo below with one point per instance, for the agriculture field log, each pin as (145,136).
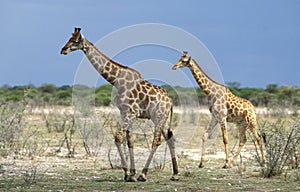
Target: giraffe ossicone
(224,107)
(135,98)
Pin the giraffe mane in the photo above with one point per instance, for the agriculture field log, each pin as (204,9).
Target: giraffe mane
(116,63)
(198,66)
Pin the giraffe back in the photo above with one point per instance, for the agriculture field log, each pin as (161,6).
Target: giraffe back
(239,109)
(145,100)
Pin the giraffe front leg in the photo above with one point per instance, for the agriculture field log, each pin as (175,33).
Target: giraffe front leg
(131,177)
(207,135)
(118,141)
(225,141)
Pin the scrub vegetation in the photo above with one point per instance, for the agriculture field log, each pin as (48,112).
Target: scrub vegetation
(48,145)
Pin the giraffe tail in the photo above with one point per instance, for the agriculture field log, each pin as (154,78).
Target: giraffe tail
(171,117)
(264,137)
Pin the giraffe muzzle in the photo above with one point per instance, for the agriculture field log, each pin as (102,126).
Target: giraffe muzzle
(174,67)
(64,51)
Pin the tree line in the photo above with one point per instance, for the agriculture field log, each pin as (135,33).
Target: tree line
(50,94)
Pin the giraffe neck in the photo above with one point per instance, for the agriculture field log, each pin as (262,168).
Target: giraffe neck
(115,73)
(208,86)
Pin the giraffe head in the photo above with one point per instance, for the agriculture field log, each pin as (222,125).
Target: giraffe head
(184,61)
(76,42)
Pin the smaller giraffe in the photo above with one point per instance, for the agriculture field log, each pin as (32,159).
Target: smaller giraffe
(136,98)
(224,107)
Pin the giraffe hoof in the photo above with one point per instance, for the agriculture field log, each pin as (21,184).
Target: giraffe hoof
(130,178)
(142,178)
(201,165)
(174,178)
(226,166)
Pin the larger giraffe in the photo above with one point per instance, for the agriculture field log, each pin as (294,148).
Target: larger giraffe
(136,98)
(224,107)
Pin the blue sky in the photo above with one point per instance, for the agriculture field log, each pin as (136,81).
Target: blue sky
(254,42)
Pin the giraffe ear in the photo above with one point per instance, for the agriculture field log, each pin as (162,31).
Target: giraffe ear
(189,59)
(81,37)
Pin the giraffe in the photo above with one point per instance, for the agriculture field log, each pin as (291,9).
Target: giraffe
(224,107)
(135,98)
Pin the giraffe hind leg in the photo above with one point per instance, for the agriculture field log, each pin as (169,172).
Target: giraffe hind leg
(259,139)
(169,138)
(171,144)
(243,140)
(156,142)
(259,142)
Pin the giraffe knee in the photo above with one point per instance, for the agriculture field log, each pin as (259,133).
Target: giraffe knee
(156,142)
(260,138)
(157,139)
(119,137)
(242,142)
(205,136)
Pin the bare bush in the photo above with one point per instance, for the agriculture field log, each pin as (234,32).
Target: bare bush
(32,144)
(281,141)
(94,129)
(30,175)
(12,123)
(56,119)
(61,121)
(90,132)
